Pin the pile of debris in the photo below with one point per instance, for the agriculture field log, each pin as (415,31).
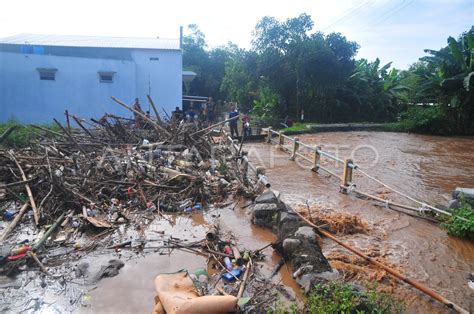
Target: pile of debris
(231,280)
(106,173)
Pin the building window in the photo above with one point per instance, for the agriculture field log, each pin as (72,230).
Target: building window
(47,74)
(154,59)
(106,77)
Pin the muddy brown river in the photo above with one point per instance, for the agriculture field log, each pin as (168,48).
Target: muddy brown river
(427,168)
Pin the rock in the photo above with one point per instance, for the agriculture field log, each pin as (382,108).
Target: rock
(306,282)
(264,210)
(267,197)
(306,233)
(287,224)
(109,270)
(329,275)
(82,270)
(261,223)
(467,193)
(454,204)
(290,245)
(264,215)
(303,270)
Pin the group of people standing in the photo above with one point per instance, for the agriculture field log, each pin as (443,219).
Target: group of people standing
(200,112)
(234,114)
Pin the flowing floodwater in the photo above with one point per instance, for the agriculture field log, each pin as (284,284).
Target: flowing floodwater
(428,168)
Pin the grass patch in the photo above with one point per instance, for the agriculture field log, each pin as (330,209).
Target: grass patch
(298,127)
(458,227)
(23,135)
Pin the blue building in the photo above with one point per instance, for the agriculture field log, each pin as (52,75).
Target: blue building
(43,75)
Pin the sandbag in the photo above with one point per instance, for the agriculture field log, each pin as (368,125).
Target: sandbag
(177,295)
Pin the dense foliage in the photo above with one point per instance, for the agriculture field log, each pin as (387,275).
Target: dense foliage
(290,68)
(461,223)
(338,297)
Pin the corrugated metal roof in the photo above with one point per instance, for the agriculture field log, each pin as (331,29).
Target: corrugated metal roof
(92,41)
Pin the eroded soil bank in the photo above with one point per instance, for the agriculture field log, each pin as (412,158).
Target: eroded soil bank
(426,167)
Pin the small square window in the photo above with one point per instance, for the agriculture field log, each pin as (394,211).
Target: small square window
(106,77)
(47,74)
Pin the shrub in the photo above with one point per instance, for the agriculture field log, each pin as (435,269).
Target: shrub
(420,119)
(458,227)
(338,297)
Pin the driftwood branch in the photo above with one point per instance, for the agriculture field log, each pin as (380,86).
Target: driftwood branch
(36,213)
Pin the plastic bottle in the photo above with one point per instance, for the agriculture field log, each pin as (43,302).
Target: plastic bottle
(227,263)
(230,276)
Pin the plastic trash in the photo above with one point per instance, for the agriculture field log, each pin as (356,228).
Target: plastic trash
(227,263)
(20,250)
(197,206)
(227,250)
(230,276)
(201,275)
(9,214)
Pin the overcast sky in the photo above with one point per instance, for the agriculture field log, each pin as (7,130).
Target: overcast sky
(394,30)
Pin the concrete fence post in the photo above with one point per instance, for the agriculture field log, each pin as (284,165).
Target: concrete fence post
(347,174)
(269,134)
(296,145)
(317,159)
(281,140)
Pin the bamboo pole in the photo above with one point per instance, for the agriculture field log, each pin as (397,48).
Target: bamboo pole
(2,186)
(157,127)
(391,271)
(213,126)
(36,213)
(70,136)
(14,222)
(244,281)
(78,121)
(154,108)
(48,233)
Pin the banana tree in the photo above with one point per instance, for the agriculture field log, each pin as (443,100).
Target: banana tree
(454,74)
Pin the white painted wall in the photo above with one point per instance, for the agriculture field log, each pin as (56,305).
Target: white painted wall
(77,86)
(161,78)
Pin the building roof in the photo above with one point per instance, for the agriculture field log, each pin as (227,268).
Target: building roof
(92,41)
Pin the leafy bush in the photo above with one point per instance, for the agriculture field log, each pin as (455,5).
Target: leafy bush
(458,227)
(419,119)
(338,297)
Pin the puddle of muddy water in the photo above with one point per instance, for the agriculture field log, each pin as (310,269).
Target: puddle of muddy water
(133,291)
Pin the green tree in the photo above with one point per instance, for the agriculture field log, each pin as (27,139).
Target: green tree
(453,74)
